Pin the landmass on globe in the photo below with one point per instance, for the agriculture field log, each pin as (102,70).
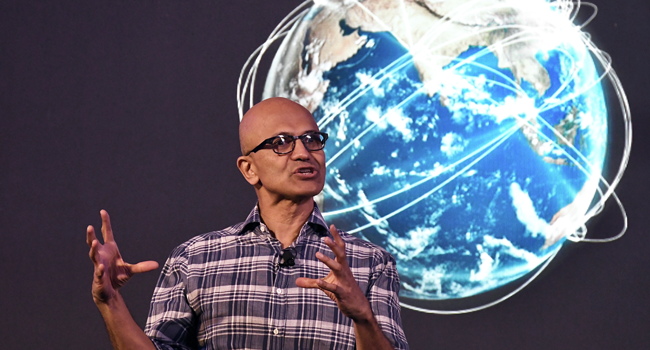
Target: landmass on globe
(425,27)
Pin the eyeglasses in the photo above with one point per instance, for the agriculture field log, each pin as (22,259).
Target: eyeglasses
(284,144)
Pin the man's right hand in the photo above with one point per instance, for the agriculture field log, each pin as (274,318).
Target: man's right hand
(111,272)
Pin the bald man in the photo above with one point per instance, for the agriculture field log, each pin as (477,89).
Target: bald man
(278,280)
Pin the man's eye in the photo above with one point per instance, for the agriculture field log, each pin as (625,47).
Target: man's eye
(279,141)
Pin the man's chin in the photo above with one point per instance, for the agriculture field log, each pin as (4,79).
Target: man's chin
(306,192)
(297,192)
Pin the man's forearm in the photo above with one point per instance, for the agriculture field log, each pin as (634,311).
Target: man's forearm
(125,334)
(369,335)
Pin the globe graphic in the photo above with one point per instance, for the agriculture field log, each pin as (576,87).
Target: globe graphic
(467,138)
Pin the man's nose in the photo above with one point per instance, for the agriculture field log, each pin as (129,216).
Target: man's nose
(299,150)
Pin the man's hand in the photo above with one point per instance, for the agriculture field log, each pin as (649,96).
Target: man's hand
(341,287)
(111,272)
(340,284)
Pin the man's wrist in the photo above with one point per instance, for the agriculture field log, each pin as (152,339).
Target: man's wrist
(369,334)
(108,302)
(365,317)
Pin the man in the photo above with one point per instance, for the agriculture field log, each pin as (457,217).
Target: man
(279,280)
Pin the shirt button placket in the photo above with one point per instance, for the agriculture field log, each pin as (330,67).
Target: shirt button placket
(280,298)
(277,321)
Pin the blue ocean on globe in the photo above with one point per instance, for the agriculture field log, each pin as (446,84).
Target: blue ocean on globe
(470,179)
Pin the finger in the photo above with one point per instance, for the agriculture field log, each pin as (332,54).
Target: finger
(107,231)
(99,271)
(339,248)
(337,237)
(336,249)
(90,235)
(93,251)
(144,266)
(304,282)
(331,263)
(330,287)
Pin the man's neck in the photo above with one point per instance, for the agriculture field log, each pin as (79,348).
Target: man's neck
(285,218)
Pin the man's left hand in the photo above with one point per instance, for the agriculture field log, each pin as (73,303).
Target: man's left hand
(340,284)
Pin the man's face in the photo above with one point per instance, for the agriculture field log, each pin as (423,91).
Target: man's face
(297,175)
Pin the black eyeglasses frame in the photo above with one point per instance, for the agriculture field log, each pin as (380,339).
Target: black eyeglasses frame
(293,139)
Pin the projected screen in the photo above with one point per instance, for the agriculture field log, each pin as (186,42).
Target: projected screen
(468,138)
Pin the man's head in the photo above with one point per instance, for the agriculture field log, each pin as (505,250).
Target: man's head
(297,175)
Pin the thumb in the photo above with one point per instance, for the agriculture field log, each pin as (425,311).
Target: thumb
(144,266)
(306,282)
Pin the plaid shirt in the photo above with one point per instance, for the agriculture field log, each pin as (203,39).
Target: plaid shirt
(227,290)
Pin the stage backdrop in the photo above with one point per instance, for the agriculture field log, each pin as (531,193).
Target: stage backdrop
(130,107)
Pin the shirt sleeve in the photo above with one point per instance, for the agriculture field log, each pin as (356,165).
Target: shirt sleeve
(172,324)
(383,297)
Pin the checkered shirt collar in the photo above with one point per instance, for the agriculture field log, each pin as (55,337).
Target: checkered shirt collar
(315,221)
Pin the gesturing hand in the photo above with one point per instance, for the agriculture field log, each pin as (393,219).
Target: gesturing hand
(111,272)
(340,284)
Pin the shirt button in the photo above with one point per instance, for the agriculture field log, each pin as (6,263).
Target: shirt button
(276,331)
(279,291)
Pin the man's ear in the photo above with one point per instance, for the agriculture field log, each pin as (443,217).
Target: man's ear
(247,169)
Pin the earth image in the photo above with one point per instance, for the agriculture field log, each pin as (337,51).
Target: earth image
(467,138)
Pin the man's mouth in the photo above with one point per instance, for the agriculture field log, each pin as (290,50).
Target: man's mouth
(305,171)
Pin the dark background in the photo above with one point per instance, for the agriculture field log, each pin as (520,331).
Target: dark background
(130,107)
